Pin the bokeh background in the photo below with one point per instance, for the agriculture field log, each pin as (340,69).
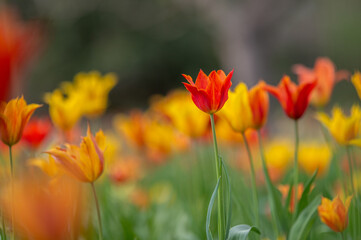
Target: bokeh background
(149,44)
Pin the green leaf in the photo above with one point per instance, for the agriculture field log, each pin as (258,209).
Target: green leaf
(241,232)
(229,214)
(302,204)
(303,224)
(209,212)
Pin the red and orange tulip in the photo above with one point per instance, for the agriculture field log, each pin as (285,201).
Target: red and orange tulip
(293,99)
(14,115)
(335,213)
(325,73)
(84,162)
(259,102)
(209,93)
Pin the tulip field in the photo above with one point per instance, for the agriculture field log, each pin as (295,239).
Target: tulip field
(204,161)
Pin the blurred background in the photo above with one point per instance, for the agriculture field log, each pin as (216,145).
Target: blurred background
(149,44)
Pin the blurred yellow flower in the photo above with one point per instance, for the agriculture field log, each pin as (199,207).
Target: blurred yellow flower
(342,128)
(65,110)
(335,213)
(94,90)
(278,156)
(313,156)
(225,134)
(132,127)
(84,162)
(356,81)
(184,115)
(14,115)
(237,110)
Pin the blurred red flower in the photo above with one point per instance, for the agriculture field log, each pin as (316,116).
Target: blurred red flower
(36,131)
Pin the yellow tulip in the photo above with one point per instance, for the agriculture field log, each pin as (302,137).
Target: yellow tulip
(237,110)
(313,156)
(65,110)
(356,81)
(334,213)
(342,128)
(84,162)
(49,166)
(184,115)
(94,89)
(14,115)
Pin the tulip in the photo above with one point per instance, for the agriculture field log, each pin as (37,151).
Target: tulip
(314,157)
(180,110)
(19,41)
(284,189)
(209,93)
(84,162)
(14,116)
(259,102)
(36,132)
(94,90)
(356,81)
(65,110)
(49,166)
(325,73)
(293,99)
(343,128)
(237,111)
(334,213)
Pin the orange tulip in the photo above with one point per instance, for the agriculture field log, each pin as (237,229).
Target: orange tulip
(259,102)
(293,99)
(14,115)
(325,73)
(85,162)
(335,213)
(284,189)
(209,93)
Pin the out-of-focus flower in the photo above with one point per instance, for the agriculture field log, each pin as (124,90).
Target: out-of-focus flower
(259,102)
(284,189)
(334,213)
(65,110)
(43,211)
(313,156)
(94,90)
(161,140)
(132,127)
(140,198)
(162,192)
(49,166)
(342,128)
(36,131)
(209,93)
(18,43)
(278,156)
(237,111)
(225,134)
(325,73)
(356,81)
(110,145)
(14,115)
(293,99)
(127,169)
(85,162)
(185,117)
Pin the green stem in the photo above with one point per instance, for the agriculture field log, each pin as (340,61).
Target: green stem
(268,183)
(343,235)
(295,174)
(253,180)
(98,213)
(221,217)
(12,193)
(350,167)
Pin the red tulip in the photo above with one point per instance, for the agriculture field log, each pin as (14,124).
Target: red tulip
(209,93)
(293,99)
(36,131)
